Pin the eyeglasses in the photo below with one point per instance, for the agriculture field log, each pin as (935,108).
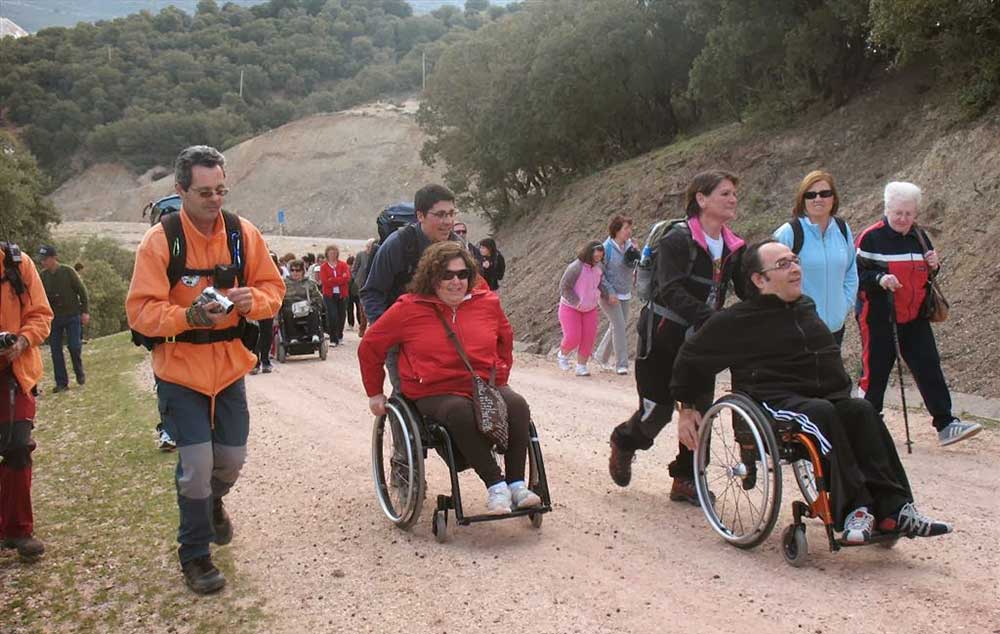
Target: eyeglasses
(823,193)
(460,232)
(208,193)
(293,269)
(782,264)
(441,215)
(462,274)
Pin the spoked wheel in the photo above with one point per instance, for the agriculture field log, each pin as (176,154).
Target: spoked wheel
(794,546)
(398,465)
(805,477)
(738,462)
(537,481)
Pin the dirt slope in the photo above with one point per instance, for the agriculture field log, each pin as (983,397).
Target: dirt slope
(331,174)
(898,131)
(607,560)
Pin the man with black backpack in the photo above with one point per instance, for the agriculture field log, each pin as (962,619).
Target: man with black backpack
(200,274)
(684,273)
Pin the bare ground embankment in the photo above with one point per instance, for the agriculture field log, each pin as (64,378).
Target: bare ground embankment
(899,130)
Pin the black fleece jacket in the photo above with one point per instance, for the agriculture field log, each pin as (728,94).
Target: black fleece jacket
(772,348)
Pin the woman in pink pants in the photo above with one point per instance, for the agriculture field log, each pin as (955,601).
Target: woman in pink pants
(580,291)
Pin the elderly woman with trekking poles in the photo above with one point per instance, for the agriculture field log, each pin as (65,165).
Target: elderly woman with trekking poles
(825,248)
(896,264)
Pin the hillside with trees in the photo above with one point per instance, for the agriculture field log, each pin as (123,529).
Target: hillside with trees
(135,89)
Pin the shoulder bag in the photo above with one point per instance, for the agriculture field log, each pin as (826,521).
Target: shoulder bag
(935,307)
(487,402)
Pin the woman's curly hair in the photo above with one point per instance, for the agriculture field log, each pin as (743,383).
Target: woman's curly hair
(434,262)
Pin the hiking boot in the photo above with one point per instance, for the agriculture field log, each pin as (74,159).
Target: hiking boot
(164,442)
(221,523)
(59,388)
(581,369)
(498,500)
(266,368)
(620,465)
(563,361)
(81,379)
(523,498)
(255,371)
(684,490)
(202,576)
(956,431)
(912,523)
(28,548)
(858,526)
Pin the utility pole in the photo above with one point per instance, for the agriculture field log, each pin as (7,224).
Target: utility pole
(109,53)
(423,64)
(241,83)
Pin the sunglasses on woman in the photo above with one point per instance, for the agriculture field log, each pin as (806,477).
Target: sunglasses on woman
(823,193)
(463,274)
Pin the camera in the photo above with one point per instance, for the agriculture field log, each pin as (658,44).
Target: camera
(7,339)
(224,276)
(211,294)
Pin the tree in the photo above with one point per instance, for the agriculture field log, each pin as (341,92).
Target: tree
(25,213)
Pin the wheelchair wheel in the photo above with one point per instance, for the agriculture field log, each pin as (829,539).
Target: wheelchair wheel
(324,347)
(805,477)
(398,464)
(440,527)
(794,546)
(738,462)
(282,355)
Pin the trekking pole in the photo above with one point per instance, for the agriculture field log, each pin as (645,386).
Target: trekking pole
(899,368)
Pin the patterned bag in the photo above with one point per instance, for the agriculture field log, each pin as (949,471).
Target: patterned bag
(487,402)
(935,307)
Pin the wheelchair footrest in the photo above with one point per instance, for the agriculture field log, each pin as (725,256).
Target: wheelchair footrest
(877,538)
(470,519)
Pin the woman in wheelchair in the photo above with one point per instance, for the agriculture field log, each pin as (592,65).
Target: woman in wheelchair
(302,299)
(445,287)
(783,356)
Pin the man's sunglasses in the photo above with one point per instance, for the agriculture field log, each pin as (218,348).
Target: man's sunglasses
(823,193)
(208,193)
(463,274)
(460,232)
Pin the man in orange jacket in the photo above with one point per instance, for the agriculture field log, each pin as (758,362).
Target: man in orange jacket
(25,320)
(199,359)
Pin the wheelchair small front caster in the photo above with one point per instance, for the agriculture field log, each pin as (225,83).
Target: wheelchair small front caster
(440,526)
(536,519)
(888,543)
(793,545)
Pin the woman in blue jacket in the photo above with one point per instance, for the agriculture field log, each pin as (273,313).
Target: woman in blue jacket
(825,248)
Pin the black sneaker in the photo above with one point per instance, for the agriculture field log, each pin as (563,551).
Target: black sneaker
(28,548)
(221,522)
(81,379)
(266,369)
(59,388)
(202,576)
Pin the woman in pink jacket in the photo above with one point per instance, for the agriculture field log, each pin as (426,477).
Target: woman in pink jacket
(580,292)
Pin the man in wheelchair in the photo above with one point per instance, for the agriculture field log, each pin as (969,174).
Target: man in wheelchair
(781,354)
(302,308)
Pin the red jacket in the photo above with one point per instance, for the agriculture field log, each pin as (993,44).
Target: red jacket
(429,365)
(338,275)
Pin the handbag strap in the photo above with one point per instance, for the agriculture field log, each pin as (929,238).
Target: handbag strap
(923,245)
(460,349)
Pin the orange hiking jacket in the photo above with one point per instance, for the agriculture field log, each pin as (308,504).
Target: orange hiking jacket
(156,310)
(28,315)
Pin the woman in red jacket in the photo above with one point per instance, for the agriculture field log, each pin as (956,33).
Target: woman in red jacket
(335,278)
(433,374)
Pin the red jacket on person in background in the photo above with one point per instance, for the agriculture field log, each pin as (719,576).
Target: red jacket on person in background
(429,364)
(338,275)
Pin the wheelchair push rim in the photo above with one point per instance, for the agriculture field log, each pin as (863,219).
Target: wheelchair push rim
(745,480)
(401,501)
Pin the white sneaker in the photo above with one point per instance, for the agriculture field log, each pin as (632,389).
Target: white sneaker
(498,501)
(563,361)
(581,369)
(523,497)
(621,371)
(315,338)
(957,430)
(859,526)
(164,442)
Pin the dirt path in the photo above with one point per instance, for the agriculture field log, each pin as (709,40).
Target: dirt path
(309,531)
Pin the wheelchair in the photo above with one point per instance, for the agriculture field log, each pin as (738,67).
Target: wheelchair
(283,345)
(404,427)
(740,456)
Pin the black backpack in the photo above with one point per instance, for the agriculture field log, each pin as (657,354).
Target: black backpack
(12,267)
(177,268)
(798,237)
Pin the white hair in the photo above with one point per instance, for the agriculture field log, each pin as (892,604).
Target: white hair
(901,191)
